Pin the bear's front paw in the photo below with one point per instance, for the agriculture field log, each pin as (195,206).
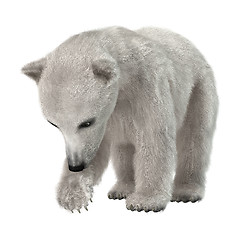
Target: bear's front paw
(147,202)
(74,192)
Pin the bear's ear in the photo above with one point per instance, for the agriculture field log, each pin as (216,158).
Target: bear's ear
(104,69)
(34,69)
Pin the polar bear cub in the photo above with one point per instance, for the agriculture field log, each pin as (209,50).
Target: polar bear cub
(145,99)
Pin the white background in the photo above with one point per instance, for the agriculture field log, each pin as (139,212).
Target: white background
(32,151)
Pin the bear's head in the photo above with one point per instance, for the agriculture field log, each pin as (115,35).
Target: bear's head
(78,91)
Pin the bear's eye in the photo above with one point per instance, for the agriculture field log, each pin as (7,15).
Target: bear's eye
(87,123)
(53,124)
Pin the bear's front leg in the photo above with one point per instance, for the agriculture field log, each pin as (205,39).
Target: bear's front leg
(75,189)
(154,169)
(155,156)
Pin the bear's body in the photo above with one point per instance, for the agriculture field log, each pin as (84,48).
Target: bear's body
(152,103)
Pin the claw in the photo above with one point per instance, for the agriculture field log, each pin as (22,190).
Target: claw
(86,208)
(131,207)
(139,209)
(155,209)
(90,200)
(146,209)
(72,211)
(79,211)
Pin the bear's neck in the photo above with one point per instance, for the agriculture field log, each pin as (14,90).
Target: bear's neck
(132,52)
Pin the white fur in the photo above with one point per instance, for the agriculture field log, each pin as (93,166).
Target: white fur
(154,99)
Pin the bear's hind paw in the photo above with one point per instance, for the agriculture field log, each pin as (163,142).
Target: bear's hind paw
(121,190)
(186,198)
(187,193)
(116,195)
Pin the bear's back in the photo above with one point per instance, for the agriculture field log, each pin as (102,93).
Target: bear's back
(178,48)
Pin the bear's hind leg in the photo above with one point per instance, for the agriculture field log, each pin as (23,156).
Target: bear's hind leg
(194,141)
(122,158)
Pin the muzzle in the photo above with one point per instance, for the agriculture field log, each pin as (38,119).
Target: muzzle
(76,168)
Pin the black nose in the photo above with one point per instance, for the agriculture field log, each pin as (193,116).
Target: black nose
(77,168)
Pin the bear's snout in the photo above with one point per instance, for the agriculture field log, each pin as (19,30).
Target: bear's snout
(77,168)
(75,163)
